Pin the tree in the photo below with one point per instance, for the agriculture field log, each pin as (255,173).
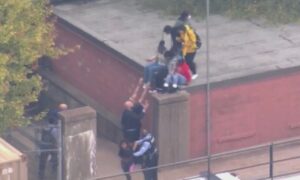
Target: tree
(26,34)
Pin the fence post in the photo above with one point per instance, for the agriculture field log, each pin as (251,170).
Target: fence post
(59,148)
(271,161)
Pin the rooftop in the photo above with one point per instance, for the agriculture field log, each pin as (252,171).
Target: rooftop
(237,48)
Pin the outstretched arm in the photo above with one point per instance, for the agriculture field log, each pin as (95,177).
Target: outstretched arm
(152,58)
(134,95)
(144,148)
(143,95)
(145,105)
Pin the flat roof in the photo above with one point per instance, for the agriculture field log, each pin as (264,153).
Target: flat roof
(237,48)
(8,153)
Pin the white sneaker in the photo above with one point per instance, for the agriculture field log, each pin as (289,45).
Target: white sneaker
(166,85)
(175,86)
(146,85)
(152,91)
(194,76)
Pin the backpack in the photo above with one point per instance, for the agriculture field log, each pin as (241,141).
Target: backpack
(47,136)
(198,41)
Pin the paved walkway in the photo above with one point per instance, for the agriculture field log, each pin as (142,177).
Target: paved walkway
(108,163)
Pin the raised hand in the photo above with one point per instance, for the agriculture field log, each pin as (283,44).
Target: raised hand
(134,95)
(146,105)
(144,94)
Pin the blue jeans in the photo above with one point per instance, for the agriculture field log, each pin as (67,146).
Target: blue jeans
(176,78)
(150,70)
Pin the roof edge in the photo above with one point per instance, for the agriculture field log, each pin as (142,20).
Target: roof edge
(100,44)
(245,79)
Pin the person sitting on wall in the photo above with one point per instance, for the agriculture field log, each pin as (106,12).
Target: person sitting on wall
(133,114)
(174,80)
(155,64)
(184,70)
(160,75)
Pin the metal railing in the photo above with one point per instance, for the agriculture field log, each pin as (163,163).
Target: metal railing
(270,163)
(28,141)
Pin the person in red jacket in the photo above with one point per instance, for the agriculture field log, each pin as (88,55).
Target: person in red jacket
(174,78)
(184,70)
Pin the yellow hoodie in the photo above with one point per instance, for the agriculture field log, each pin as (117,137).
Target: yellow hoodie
(188,39)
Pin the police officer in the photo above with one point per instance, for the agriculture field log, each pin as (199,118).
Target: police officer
(149,153)
(48,142)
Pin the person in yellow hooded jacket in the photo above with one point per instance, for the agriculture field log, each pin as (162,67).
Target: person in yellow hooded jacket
(188,40)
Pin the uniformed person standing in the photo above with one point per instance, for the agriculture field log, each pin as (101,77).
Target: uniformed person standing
(149,154)
(48,142)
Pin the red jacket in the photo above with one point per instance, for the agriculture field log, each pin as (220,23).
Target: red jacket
(184,70)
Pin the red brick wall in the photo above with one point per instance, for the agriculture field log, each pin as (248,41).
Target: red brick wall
(95,71)
(248,114)
(197,123)
(243,114)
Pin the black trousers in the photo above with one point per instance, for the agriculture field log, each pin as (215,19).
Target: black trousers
(151,162)
(131,135)
(190,61)
(44,158)
(159,78)
(126,166)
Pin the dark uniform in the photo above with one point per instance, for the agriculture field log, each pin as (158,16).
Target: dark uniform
(131,122)
(48,143)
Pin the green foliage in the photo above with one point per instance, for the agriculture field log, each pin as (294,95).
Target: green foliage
(275,11)
(26,34)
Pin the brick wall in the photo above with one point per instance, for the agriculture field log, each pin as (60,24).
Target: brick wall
(96,72)
(248,113)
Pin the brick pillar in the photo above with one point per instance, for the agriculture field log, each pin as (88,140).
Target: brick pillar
(171,126)
(79,143)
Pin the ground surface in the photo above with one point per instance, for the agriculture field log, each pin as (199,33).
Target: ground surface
(237,48)
(108,163)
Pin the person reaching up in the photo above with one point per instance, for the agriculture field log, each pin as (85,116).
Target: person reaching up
(133,114)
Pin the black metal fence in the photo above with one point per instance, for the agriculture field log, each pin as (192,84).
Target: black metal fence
(44,159)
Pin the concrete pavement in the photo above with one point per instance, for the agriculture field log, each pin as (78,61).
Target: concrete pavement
(109,163)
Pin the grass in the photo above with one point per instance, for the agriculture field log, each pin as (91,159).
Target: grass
(274,11)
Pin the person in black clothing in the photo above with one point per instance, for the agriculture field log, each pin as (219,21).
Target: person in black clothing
(133,114)
(173,31)
(48,142)
(125,153)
